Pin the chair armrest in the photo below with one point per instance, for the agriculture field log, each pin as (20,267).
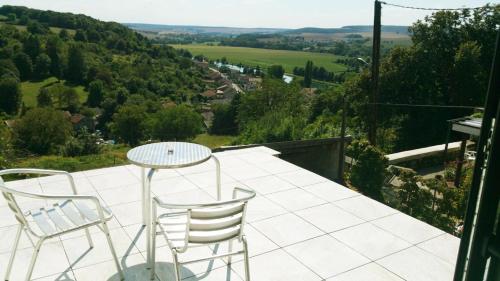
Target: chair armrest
(249,191)
(41,172)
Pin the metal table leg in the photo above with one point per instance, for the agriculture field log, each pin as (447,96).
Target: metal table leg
(218,185)
(143,195)
(149,220)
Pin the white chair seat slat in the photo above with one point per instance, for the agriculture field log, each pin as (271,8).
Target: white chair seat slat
(42,221)
(68,208)
(210,237)
(218,212)
(90,214)
(58,220)
(215,224)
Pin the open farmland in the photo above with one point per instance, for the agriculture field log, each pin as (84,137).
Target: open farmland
(265,57)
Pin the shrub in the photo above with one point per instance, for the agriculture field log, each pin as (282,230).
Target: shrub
(369,173)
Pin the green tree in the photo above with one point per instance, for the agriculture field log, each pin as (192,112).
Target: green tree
(54,48)
(308,74)
(11,17)
(276,71)
(176,123)
(34,27)
(10,95)
(80,36)
(24,65)
(64,34)
(44,98)
(96,93)
(225,120)
(42,131)
(42,66)
(129,124)
(77,65)
(414,199)
(84,143)
(368,174)
(32,46)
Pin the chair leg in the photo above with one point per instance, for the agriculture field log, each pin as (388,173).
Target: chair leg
(245,253)
(112,248)
(153,250)
(33,259)
(91,243)
(177,270)
(14,251)
(230,249)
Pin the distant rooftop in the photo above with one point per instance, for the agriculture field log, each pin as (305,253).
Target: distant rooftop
(301,227)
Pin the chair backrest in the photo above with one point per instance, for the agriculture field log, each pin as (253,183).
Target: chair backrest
(217,223)
(8,194)
(214,222)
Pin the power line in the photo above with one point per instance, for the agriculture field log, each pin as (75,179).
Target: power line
(427,105)
(429,9)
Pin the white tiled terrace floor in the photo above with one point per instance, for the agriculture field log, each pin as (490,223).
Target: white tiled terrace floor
(301,227)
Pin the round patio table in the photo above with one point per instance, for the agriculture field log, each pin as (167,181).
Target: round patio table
(166,155)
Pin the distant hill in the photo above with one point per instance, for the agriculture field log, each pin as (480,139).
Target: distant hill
(192,29)
(228,31)
(350,29)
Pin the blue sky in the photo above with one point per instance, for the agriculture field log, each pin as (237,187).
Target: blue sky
(246,13)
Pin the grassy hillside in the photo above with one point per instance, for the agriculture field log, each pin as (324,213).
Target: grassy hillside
(30,90)
(55,30)
(264,58)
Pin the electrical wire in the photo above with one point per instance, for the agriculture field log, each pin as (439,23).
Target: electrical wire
(429,9)
(427,105)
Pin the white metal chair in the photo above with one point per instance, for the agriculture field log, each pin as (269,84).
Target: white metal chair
(187,226)
(66,213)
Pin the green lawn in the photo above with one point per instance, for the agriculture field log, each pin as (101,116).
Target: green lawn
(213,141)
(30,90)
(265,57)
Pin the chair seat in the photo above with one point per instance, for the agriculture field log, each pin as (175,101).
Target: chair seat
(63,216)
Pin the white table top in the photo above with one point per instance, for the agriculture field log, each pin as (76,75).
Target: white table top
(169,155)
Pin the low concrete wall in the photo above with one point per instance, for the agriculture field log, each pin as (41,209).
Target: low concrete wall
(318,156)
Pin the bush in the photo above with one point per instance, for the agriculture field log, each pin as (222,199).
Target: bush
(177,123)
(129,124)
(84,143)
(368,174)
(42,130)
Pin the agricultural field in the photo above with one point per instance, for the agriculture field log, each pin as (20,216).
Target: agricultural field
(30,90)
(265,57)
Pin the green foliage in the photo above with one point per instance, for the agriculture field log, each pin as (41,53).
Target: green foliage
(10,96)
(44,98)
(96,93)
(368,174)
(129,124)
(176,123)
(42,131)
(77,66)
(34,27)
(84,143)
(276,71)
(32,46)
(225,117)
(24,65)
(414,200)
(448,64)
(42,66)
(308,74)
(6,150)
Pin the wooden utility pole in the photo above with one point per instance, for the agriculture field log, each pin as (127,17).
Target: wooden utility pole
(377,29)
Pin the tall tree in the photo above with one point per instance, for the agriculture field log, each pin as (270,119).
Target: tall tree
(54,47)
(24,65)
(96,93)
(10,95)
(129,124)
(308,74)
(42,66)
(32,46)
(77,65)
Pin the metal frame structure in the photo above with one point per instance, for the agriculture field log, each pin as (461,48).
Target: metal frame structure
(192,225)
(479,254)
(47,222)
